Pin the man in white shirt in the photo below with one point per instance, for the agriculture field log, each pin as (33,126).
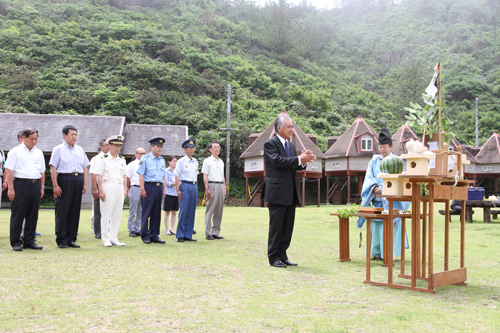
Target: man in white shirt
(95,219)
(25,176)
(134,195)
(215,187)
(110,171)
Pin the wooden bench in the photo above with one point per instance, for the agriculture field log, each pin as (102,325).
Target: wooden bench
(494,214)
(452,212)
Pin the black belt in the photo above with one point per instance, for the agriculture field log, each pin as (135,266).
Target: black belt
(153,183)
(135,186)
(71,174)
(188,182)
(27,180)
(212,182)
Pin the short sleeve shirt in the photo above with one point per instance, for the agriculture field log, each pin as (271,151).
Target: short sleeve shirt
(111,168)
(152,168)
(25,163)
(68,159)
(187,169)
(213,168)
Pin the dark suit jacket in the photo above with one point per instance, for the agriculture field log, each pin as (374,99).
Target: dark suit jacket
(281,186)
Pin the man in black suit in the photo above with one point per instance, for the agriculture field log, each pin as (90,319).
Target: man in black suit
(281,189)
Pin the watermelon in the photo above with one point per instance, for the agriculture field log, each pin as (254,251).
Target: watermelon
(391,164)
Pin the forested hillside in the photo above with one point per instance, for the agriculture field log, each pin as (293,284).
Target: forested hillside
(169,61)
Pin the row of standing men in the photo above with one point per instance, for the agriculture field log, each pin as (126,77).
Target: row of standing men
(24,180)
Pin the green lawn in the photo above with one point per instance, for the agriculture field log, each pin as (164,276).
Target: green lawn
(228,285)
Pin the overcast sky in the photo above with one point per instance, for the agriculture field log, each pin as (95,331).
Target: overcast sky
(317,3)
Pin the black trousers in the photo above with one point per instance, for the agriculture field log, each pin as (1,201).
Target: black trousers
(97,215)
(68,207)
(25,206)
(281,220)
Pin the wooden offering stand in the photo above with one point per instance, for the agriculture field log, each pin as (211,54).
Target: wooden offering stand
(344,232)
(442,186)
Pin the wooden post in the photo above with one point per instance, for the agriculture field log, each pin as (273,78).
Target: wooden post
(303,191)
(246,191)
(319,193)
(349,189)
(327,189)
(447,233)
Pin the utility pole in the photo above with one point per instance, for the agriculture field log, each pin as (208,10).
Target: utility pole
(228,138)
(477,122)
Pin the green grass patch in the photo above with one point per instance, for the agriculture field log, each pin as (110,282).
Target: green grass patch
(227,285)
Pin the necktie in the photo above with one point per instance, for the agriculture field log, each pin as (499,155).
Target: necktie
(286,149)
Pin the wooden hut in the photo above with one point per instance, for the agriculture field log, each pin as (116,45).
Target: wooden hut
(254,161)
(348,157)
(487,168)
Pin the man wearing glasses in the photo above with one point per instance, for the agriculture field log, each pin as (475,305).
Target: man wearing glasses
(134,194)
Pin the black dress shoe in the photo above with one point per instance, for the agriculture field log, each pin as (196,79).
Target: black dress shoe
(210,238)
(189,239)
(218,237)
(146,241)
(132,234)
(180,239)
(194,232)
(72,244)
(63,246)
(98,235)
(289,263)
(278,263)
(17,248)
(33,246)
(157,240)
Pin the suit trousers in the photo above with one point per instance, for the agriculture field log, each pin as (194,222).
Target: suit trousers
(111,211)
(135,212)
(213,214)
(68,207)
(96,209)
(281,221)
(151,210)
(25,206)
(187,209)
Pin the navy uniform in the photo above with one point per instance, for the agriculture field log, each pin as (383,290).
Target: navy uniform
(111,172)
(152,172)
(186,174)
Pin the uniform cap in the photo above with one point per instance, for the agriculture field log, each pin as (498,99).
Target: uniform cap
(157,141)
(115,140)
(189,143)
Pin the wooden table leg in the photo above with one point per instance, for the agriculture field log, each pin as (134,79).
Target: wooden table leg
(424,237)
(486,215)
(390,241)
(468,214)
(368,247)
(430,269)
(344,239)
(446,235)
(403,242)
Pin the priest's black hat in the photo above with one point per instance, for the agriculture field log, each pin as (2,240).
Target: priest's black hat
(384,138)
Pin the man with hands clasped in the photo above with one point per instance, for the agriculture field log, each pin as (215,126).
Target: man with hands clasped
(281,189)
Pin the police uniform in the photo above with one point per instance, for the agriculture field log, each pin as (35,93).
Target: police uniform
(28,168)
(187,172)
(153,171)
(111,171)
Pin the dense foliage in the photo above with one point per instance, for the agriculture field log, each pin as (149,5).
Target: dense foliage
(169,62)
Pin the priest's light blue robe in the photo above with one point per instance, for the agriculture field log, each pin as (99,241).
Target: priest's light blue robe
(369,198)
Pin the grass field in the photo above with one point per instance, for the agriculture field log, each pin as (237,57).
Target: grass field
(227,285)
